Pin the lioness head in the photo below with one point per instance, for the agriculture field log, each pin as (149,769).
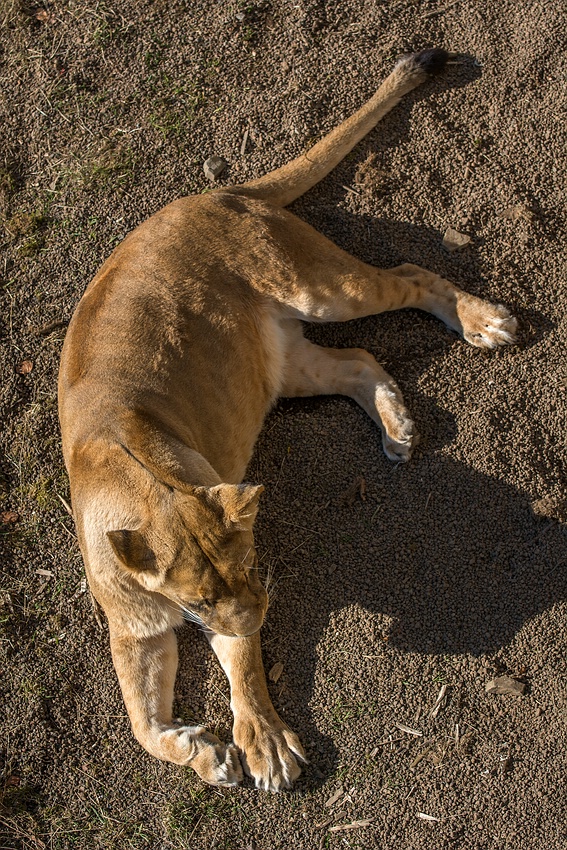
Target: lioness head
(199,553)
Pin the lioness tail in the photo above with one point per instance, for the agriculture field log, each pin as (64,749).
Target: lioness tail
(289,182)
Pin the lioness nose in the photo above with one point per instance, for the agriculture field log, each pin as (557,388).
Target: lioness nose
(249,618)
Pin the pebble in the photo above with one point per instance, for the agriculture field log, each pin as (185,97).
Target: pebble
(505,685)
(453,240)
(213,167)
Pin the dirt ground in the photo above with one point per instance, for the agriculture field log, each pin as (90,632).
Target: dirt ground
(451,570)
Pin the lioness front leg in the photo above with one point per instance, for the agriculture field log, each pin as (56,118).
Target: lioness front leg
(146,670)
(269,749)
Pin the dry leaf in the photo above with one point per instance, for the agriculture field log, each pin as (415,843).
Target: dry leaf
(46,573)
(465,741)
(551,507)
(276,671)
(357,488)
(453,240)
(9,516)
(333,799)
(518,212)
(423,816)
(24,367)
(43,16)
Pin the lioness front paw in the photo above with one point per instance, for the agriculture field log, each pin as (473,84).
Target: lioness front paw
(269,751)
(216,763)
(486,325)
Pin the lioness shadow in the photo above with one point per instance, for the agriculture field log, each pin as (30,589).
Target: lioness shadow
(448,560)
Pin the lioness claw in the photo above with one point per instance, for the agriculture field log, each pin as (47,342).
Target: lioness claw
(269,754)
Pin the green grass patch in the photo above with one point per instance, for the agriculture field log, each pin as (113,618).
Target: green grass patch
(204,811)
(28,229)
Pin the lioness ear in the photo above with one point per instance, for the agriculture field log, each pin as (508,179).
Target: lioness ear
(239,503)
(132,549)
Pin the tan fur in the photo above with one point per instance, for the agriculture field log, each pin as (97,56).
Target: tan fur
(176,352)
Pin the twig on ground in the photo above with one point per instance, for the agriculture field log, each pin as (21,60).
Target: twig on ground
(441,9)
(439,701)
(44,330)
(65,504)
(357,824)
(408,730)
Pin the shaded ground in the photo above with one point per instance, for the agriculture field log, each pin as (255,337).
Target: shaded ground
(451,571)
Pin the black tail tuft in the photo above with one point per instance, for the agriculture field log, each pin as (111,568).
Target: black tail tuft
(432,60)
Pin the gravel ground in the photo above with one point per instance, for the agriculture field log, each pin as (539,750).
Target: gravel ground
(451,570)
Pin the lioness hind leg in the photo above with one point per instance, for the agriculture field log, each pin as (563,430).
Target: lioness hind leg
(146,670)
(313,370)
(481,323)
(329,285)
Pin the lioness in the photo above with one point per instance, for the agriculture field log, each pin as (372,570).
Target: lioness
(180,346)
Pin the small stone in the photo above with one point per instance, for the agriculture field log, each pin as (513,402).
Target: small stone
(505,685)
(286,67)
(551,507)
(213,167)
(453,240)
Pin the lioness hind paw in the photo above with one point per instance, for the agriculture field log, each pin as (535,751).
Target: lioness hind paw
(399,442)
(399,451)
(488,325)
